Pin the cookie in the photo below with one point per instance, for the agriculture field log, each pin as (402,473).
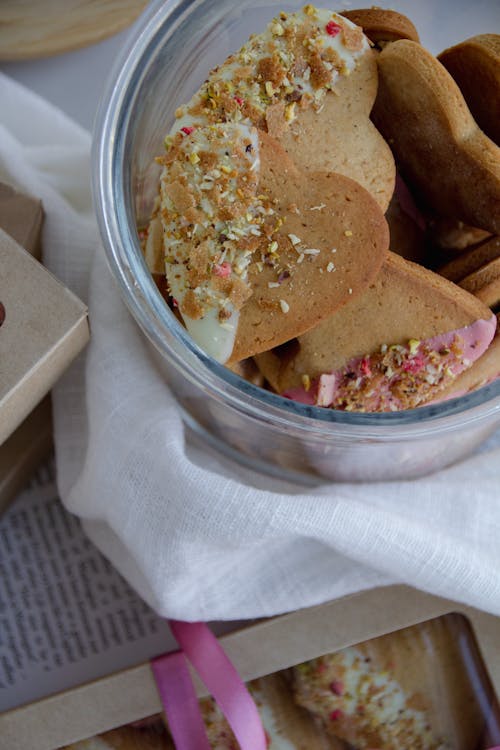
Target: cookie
(453,235)
(357,696)
(382,26)
(151,238)
(395,347)
(255,251)
(485,283)
(330,248)
(310,81)
(475,66)
(472,260)
(406,225)
(408,690)
(286,725)
(443,155)
(341,137)
(484,370)
(248,370)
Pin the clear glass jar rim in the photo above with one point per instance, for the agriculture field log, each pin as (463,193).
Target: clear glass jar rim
(113,205)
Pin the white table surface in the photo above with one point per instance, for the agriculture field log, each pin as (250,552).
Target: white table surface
(73,81)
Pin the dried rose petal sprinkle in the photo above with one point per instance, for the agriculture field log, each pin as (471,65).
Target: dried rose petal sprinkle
(414,365)
(332,28)
(364,366)
(336,714)
(337,687)
(223,270)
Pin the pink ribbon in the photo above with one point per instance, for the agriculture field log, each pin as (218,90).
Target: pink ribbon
(180,702)
(223,682)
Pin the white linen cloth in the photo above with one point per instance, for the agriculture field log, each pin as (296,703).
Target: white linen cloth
(197,537)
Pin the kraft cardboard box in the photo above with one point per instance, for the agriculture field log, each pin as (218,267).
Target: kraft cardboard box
(21,216)
(263,649)
(43,327)
(29,362)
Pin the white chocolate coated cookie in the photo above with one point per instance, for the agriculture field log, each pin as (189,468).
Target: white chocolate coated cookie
(252,244)
(310,80)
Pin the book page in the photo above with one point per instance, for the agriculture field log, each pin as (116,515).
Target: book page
(66,615)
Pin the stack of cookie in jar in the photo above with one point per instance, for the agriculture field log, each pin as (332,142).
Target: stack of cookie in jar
(328,210)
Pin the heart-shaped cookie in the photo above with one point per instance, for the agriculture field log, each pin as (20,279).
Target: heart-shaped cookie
(331,246)
(406,225)
(310,81)
(453,236)
(472,260)
(484,283)
(255,251)
(475,66)
(397,346)
(340,137)
(442,153)
(382,26)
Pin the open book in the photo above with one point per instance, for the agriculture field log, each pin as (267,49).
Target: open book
(66,615)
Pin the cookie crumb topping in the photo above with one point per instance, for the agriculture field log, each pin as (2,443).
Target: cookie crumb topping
(213,220)
(287,68)
(365,700)
(398,376)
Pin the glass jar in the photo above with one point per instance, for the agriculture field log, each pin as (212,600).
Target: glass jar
(170,51)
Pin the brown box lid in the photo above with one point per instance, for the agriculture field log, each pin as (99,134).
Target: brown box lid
(43,326)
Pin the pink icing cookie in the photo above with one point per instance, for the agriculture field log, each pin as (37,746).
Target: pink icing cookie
(396,346)
(386,380)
